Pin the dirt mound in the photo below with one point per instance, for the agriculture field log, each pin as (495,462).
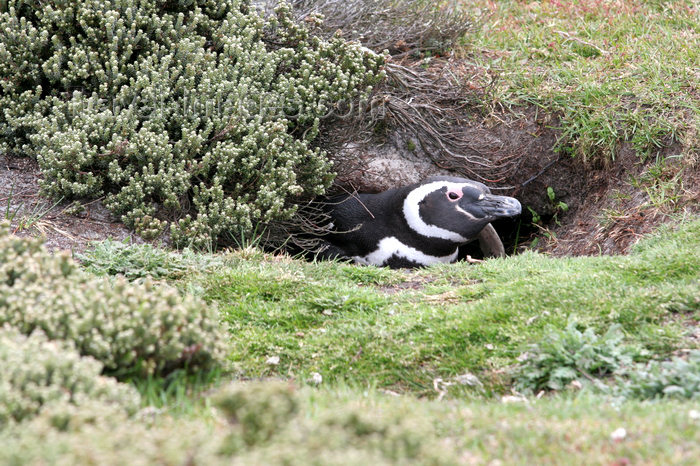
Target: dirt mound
(620,203)
(609,207)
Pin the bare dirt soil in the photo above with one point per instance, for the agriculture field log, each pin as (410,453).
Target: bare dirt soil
(609,207)
(617,205)
(32,214)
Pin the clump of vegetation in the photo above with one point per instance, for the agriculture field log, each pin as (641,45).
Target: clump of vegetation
(99,434)
(135,261)
(350,426)
(399,26)
(413,333)
(132,329)
(404,330)
(675,378)
(597,65)
(38,373)
(268,420)
(571,355)
(201,112)
(256,412)
(426,100)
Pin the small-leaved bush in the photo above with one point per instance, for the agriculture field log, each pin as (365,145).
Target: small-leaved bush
(256,414)
(133,329)
(270,422)
(275,423)
(568,355)
(201,114)
(37,373)
(99,434)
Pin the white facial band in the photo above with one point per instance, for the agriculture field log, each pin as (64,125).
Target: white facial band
(411,207)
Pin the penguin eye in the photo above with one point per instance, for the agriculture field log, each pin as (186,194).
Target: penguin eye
(453,195)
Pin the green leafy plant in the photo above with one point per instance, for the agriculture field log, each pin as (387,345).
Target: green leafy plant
(133,261)
(557,206)
(560,205)
(536,218)
(568,355)
(675,378)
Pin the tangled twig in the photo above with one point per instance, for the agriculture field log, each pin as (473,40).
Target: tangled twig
(399,26)
(431,106)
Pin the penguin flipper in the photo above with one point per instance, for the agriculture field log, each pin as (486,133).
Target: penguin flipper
(489,242)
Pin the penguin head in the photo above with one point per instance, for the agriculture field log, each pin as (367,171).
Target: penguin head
(454,209)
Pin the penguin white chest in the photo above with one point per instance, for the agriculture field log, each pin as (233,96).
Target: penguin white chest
(391,247)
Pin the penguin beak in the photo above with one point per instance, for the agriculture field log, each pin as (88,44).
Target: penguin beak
(500,206)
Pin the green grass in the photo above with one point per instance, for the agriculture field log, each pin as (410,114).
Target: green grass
(550,431)
(417,366)
(414,365)
(403,330)
(362,326)
(612,71)
(180,393)
(135,261)
(343,423)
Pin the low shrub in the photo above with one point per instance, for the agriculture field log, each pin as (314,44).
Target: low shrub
(97,434)
(256,412)
(276,423)
(270,422)
(37,373)
(198,114)
(133,329)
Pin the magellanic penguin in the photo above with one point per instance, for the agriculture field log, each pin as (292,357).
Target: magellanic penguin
(416,225)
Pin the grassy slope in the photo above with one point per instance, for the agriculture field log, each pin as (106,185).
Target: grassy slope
(341,426)
(361,326)
(374,333)
(613,70)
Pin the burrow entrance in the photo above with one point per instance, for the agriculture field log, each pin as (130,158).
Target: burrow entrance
(569,207)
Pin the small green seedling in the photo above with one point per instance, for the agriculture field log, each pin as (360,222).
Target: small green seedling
(559,206)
